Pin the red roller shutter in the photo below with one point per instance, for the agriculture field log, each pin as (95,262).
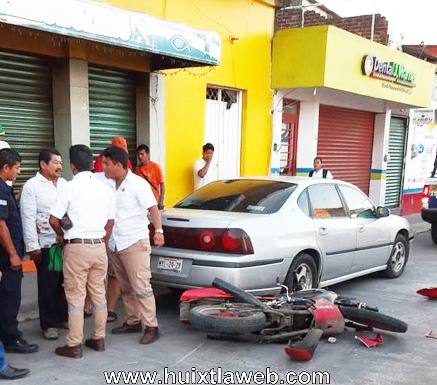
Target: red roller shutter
(345,144)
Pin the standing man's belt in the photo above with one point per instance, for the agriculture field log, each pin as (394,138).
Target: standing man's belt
(87,241)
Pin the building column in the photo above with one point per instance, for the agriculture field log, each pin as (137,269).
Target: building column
(143,109)
(70,106)
(307,136)
(380,158)
(275,151)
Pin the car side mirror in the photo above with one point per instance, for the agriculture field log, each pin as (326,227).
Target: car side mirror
(382,211)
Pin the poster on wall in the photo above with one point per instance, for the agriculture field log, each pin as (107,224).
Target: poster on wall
(421,149)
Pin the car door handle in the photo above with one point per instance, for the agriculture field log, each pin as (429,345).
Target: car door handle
(360,228)
(323,230)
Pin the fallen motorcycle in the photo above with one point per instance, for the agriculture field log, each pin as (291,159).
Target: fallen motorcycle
(301,318)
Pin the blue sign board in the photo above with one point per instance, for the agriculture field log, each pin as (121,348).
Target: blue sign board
(107,24)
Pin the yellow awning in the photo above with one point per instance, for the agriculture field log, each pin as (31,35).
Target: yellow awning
(327,56)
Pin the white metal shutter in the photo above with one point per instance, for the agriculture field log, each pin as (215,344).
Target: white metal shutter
(223,129)
(395,163)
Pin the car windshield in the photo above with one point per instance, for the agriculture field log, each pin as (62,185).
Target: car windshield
(240,196)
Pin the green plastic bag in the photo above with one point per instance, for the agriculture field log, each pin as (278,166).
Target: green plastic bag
(55,257)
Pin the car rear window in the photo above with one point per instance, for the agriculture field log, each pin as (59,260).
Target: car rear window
(240,195)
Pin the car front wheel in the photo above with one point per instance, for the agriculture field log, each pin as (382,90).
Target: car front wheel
(398,257)
(302,273)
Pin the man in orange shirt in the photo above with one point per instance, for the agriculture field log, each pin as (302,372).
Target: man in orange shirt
(117,141)
(152,173)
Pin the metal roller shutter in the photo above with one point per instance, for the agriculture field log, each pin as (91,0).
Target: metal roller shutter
(112,100)
(395,162)
(26,107)
(345,142)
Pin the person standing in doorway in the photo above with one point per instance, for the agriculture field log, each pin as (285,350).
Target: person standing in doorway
(319,171)
(204,169)
(11,255)
(89,204)
(152,173)
(130,245)
(37,198)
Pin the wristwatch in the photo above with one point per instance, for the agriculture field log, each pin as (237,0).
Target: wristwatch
(159,231)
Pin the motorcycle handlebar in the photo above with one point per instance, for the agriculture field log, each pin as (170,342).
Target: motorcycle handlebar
(238,293)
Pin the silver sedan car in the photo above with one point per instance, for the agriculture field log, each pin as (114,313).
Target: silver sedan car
(256,232)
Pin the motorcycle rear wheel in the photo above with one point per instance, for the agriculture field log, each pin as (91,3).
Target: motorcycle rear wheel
(228,318)
(373,319)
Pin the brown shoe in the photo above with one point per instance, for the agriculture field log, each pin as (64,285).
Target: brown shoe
(98,345)
(150,336)
(69,351)
(126,328)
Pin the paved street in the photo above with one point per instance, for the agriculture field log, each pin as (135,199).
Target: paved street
(402,359)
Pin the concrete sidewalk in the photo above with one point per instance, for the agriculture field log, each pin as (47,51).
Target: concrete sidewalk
(29,304)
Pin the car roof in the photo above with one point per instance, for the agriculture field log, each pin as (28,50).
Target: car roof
(300,180)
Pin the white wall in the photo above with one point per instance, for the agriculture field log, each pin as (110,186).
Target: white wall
(275,157)
(379,158)
(307,136)
(157,120)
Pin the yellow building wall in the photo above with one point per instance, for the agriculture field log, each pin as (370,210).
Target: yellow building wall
(246,29)
(299,58)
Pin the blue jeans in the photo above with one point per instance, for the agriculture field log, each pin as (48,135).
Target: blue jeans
(2,357)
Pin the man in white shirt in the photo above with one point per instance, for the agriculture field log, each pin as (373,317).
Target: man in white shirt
(204,170)
(37,198)
(130,245)
(90,206)
(318,171)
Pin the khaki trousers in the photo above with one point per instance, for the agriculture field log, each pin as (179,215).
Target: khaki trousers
(85,268)
(132,269)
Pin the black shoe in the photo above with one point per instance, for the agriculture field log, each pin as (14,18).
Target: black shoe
(11,373)
(20,346)
(126,328)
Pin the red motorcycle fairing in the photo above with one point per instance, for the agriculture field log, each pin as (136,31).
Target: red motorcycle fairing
(197,294)
(213,293)
(303,350)
(327,317)
(430,292)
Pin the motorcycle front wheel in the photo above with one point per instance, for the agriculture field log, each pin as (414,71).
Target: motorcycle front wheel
(236,318)
(373,319)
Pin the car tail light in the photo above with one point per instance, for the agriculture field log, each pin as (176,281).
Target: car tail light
(236,241)
(207,239)
(233,241)
(425,196)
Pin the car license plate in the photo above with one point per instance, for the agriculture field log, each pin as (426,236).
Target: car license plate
(170,263)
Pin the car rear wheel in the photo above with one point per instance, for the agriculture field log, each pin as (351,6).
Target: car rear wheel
(434,232)
(398,257)
(302,273)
